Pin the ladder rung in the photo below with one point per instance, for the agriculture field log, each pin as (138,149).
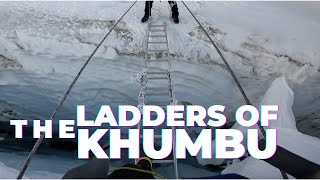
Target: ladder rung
(162,106)
(157,89)
(155,42)
(161,60)
(157,94)
(156,30)
(163,91)
(156,25)
(155,103)
(162,161)
(150,72)
(157,78)
(157,50)
(157,36)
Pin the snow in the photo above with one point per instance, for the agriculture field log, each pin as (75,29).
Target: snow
(49,36)
(288,137)
(279,93)
(44,44)
(254,169)
(6,172)
(302,145)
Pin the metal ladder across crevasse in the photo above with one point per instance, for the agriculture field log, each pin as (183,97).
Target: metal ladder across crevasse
(156,81)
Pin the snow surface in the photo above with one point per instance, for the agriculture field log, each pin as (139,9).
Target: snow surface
(44,44)
(6,172)
(288,137)
(279,93)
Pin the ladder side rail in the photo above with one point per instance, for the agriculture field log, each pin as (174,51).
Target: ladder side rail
(147,46)
(142,98)
(175,161)
(168,53)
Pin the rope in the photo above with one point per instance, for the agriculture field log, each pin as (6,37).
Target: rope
(227,65)
(37,144)
(142,79)
(141,170)
(284,175)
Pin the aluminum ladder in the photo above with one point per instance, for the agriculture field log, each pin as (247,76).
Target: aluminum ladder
(158,88)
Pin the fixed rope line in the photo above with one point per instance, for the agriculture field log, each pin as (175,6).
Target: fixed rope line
(284,175)
(226,63)
(223,59)
(37,144)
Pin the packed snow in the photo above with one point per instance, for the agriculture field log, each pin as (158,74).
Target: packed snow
(288,137)
(44,44)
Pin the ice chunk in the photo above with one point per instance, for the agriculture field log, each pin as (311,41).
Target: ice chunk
(279,93)
(111,53)
(254,169)
(288,136)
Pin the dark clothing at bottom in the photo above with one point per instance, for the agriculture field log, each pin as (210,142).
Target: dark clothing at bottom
(174,8)
(130,174)
(223,176)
